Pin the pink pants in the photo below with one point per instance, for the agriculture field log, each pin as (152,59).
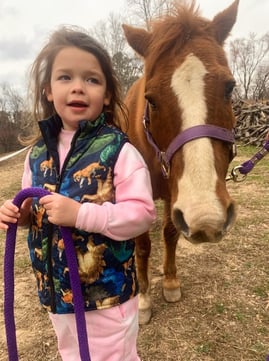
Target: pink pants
(112,333)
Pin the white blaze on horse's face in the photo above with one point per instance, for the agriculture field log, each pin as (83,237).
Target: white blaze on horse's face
(197,199)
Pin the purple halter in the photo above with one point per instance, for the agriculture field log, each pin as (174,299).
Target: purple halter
(198,131)
(9,282)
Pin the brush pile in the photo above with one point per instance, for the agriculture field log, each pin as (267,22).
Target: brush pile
(252,122)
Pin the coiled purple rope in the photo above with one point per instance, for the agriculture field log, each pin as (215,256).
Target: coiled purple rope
(9,282)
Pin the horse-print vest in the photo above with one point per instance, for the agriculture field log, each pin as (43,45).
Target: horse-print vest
(106,267)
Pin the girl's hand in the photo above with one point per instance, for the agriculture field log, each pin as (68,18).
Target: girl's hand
(9,213)
(61,210)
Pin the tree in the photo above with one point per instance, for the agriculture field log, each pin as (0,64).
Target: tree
(249,63)
(143,11)
(110,34)
(11,110)
(128,68)
(261,82)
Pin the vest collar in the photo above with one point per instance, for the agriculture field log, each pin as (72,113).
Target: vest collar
(51,127)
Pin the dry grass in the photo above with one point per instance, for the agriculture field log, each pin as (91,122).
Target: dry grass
(224,311)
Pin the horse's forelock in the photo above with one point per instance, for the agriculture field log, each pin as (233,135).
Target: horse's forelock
(169,33)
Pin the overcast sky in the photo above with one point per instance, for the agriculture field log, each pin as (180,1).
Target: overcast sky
(25,25)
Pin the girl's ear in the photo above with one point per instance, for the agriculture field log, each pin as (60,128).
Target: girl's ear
(107,99)
(49,97)
(47,92)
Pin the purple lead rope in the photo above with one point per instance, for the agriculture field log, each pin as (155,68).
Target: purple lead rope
(247,166)
(9,282)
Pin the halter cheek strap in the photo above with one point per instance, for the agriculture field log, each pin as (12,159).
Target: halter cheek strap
(195,132)
(9,282)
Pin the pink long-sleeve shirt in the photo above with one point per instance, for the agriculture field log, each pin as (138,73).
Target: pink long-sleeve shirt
(134,209)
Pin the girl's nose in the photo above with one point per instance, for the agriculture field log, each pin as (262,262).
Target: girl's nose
(78,86)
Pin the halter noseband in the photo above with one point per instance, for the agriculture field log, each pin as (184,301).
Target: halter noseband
(195,132)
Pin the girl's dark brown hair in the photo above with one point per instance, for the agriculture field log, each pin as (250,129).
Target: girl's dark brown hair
(40,75)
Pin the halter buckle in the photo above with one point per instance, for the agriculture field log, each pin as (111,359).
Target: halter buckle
(165,166)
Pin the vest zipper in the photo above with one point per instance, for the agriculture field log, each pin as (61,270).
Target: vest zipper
(50,273)
(50,231)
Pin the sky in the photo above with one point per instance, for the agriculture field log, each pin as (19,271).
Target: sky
(26,24)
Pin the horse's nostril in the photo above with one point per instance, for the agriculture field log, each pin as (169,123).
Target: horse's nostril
(179,221)
(230,216)
(202,227)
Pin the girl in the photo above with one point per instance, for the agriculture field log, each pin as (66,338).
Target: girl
(100,187)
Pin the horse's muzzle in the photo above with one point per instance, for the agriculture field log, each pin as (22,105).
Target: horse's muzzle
(206,228)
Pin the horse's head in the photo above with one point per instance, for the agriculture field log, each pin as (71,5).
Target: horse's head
(188,83)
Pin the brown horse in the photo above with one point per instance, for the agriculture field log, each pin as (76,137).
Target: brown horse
(181,120)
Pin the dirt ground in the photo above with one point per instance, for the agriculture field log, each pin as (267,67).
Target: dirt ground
(224,311)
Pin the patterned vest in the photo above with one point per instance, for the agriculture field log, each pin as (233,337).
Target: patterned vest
(106,267)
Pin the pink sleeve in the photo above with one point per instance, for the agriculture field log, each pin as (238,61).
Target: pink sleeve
(134,210)
(27,174)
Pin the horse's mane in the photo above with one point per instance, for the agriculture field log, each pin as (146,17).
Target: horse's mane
(171,31)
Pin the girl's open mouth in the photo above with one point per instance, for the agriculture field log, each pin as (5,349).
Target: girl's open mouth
(77,105)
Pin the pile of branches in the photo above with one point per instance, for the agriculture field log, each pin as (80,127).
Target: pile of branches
(252,122)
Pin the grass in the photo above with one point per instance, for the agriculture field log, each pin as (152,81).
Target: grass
(223,314)
(224,311)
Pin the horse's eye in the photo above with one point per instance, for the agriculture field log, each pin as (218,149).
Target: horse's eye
(151,102)
(229,87)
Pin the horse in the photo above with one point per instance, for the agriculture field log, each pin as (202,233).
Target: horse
(181,120)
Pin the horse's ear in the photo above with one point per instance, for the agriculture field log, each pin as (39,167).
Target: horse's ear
(224,21)
(137,38)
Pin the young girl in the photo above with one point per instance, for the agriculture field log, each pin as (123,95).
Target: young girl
(100,187)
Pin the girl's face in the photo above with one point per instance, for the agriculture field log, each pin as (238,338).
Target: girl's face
(77,87)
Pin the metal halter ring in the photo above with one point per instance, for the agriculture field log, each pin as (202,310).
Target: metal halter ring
(236,176)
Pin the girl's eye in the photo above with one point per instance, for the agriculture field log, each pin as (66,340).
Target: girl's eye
(64,77)
(93,80)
